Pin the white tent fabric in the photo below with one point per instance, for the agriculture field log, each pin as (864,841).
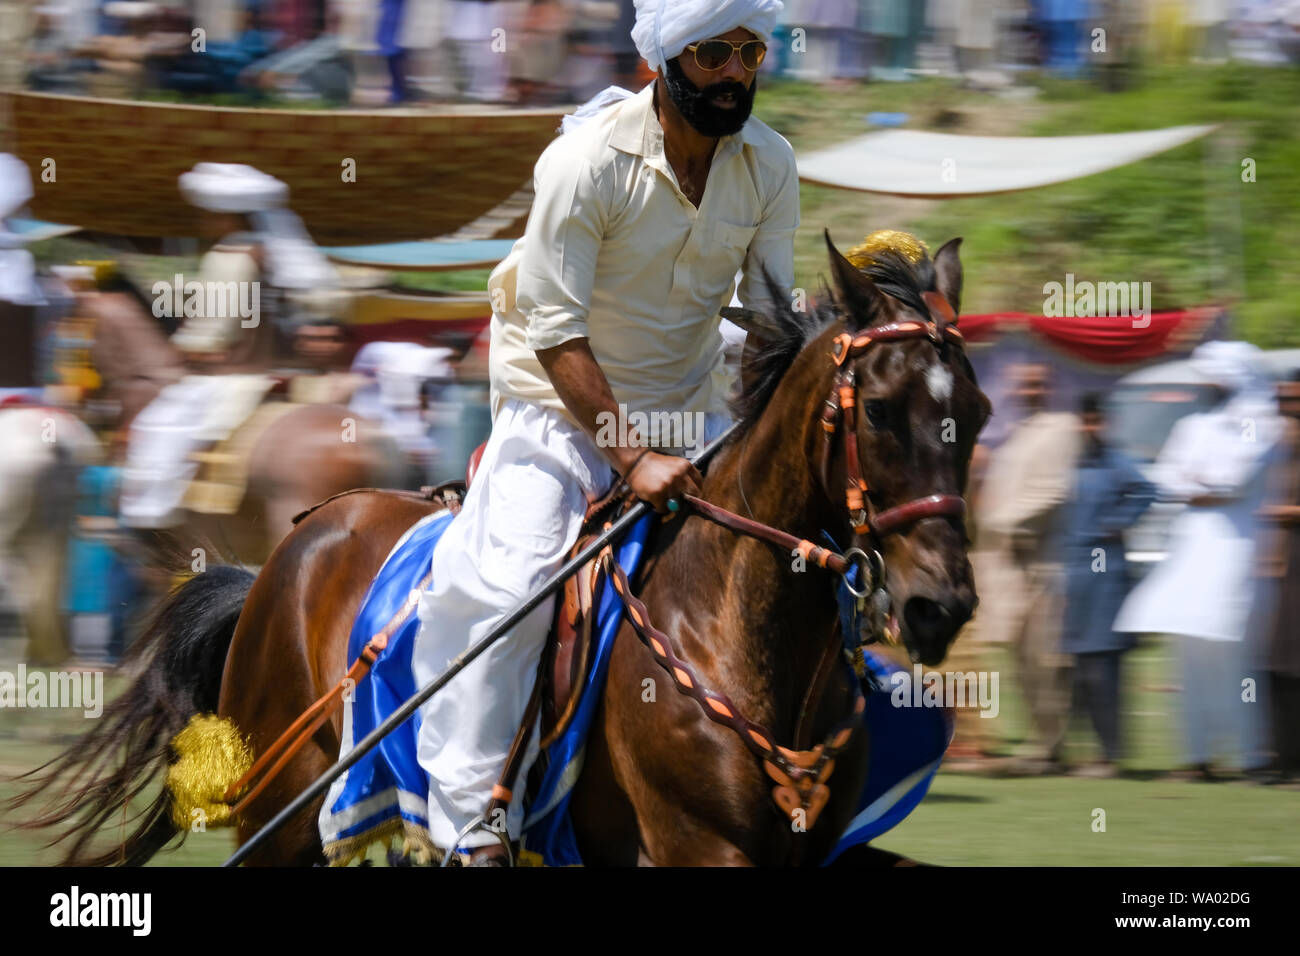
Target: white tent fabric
(941,165)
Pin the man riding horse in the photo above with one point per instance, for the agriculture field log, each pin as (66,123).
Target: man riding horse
(262,272)
(607,307)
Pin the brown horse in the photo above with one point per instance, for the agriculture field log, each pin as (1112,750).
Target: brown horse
(137,361)
(661,783)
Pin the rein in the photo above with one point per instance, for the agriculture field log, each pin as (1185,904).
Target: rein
(801,775)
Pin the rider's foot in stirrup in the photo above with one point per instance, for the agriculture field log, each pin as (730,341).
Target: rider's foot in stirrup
(492,855)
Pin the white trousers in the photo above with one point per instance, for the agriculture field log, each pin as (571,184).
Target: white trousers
(1216,721)
(183,418)
(522,515)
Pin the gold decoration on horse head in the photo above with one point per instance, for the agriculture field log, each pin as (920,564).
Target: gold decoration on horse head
(887,240)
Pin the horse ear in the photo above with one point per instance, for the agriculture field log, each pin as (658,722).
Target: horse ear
(855,294)
(947,272)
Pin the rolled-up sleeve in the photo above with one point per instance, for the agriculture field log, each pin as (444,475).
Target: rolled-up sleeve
(772,248)
(565,230)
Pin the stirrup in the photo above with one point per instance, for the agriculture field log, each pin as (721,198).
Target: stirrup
(474,824)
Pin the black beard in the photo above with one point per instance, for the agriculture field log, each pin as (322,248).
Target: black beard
(695,106)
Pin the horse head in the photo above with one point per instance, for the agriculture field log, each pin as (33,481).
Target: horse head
(910,407)
(898,424)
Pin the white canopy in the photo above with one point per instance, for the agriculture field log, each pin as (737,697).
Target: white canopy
(942,165)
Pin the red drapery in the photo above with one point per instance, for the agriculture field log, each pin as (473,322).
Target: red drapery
(1107,340)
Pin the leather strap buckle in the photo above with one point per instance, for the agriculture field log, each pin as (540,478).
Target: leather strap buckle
(841,347)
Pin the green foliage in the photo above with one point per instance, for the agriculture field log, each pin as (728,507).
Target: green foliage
(459,280)
(1183,220)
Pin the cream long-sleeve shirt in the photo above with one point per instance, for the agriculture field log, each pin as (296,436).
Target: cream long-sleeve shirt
(615,253)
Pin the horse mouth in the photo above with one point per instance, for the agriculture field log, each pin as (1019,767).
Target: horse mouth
(930,656)
(929,628)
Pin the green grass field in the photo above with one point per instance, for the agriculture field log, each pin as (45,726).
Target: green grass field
(1151,820)
(967,820)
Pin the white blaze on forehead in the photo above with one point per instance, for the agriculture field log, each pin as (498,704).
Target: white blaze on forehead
(939,381)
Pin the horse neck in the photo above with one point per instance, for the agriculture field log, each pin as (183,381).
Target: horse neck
(779,621)
(770,473)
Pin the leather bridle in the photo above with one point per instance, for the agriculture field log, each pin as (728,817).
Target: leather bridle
(843,403)
(801,775)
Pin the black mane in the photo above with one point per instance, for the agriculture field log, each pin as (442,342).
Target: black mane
(769,366)
(901,279)
(892,274)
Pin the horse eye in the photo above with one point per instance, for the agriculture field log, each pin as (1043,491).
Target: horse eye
(877,413)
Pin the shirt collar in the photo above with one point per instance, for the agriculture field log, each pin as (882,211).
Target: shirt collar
(637,130)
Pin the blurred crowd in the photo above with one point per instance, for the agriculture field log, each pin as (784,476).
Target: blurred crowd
(139,417)
(124,415)
(368,52)
(1055,502)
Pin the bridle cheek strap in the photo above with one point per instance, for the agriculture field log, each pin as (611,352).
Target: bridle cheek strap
(843,401)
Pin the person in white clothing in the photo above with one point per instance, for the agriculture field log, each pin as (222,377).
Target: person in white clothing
(608,305)
(1205,592)
(261,258)
(20,290)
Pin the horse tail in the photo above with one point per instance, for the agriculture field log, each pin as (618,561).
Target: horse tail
(154,727)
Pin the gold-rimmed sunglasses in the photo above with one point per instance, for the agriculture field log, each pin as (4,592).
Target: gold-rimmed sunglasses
(713,55)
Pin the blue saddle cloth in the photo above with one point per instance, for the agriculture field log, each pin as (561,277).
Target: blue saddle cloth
(386,793)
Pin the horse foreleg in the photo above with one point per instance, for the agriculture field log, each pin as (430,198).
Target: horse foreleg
(671,835)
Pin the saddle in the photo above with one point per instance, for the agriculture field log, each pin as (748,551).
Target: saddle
(564,663)
(562,671)
(567,654)
(221,481)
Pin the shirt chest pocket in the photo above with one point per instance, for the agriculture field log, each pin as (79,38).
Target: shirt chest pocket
(722,254)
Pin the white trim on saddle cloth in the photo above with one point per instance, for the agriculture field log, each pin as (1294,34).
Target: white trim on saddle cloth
(333,824)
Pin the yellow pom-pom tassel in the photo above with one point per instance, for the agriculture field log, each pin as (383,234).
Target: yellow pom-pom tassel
(420,855)
(887,240)
(105,269)
(211,756)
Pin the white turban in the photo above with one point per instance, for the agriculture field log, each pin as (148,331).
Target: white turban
(232,187)
(292,260)
(667,26)
(17,267)
(1239,367)
(1235,366)
(15,185)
